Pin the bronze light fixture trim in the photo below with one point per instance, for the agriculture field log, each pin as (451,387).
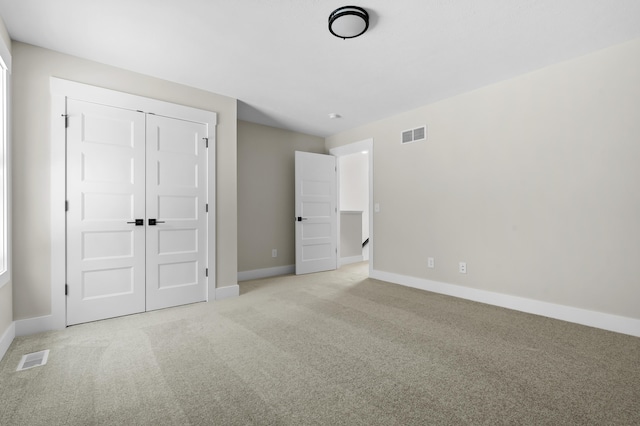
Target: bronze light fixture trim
(348,22)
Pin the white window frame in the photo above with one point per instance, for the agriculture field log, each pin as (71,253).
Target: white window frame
(5,165)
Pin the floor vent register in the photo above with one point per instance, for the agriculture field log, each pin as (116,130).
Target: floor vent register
(36,359)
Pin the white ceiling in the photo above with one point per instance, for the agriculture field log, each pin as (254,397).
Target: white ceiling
(279,60)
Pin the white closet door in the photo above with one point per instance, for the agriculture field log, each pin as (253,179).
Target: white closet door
(176,199)
(105,193)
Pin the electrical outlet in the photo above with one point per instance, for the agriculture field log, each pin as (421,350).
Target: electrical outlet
(431,263)
(274,253)
(462,267)
(376,207)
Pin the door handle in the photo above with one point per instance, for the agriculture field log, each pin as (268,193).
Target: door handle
(138,222)
(300,219)
(153,222)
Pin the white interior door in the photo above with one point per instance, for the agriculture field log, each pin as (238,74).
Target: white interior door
(137,212)
(176,200)
(316,212)
(105,193)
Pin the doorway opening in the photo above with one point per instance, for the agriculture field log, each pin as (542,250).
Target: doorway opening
(355,202)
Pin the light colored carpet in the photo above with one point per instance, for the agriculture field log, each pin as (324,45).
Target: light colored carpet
(332,348)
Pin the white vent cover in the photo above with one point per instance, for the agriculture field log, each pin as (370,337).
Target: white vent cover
(414,135)
(35,359)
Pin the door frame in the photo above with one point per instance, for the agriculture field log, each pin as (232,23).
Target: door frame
(354,148)
(60,91)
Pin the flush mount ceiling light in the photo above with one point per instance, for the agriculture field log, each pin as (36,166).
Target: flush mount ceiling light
(348,22)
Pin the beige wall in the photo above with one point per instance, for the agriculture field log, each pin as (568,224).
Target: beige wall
(6,305)
(4,35)
(6,311)
(266,193)
(354,187)
(533,182)
(32,69)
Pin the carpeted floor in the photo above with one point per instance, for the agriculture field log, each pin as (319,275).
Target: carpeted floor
(332,348)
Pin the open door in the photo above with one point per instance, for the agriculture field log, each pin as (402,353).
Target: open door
(316,213)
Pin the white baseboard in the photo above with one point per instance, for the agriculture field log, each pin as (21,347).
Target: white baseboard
(227,292)
(266,273)
(595,319)
(352,259)
(6,339)
(29,326)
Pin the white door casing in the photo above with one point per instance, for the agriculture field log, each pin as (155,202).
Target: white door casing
(63,91)
(105,193)
(177,200)
(315,212)
(349,149)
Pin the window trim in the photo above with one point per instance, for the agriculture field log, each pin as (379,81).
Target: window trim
(5,158)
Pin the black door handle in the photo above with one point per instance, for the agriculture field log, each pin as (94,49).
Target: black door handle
(300,218)
(138,222)
(153,222)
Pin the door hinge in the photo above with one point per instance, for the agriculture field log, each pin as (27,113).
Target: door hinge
(66,205)
(206,208)
(206,142)
(66,120)
(206,272)
(66,289)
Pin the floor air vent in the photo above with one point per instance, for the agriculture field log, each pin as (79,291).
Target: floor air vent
(414,135)
(35,359)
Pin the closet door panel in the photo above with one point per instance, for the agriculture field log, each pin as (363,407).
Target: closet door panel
(105,194)
(176,203)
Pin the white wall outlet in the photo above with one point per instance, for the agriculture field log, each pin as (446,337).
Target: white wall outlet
(274,253)
(462,267)
(431,263)
(376,207)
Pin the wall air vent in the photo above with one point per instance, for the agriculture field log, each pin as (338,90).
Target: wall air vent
(414,135)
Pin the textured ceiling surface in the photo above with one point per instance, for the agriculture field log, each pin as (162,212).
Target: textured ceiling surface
(279,60)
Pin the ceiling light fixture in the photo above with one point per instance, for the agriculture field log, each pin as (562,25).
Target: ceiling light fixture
(348,22)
